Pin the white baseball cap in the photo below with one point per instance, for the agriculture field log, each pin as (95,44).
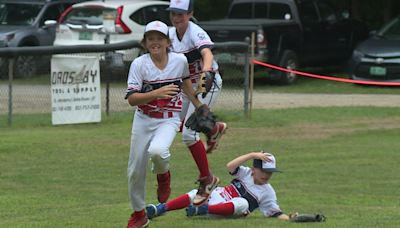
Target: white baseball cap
(268,166)
(181,6)
(158,26)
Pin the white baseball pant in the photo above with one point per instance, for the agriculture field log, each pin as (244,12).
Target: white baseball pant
(150,137)
(217,197)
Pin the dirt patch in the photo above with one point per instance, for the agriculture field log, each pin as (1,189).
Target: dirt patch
(294,100)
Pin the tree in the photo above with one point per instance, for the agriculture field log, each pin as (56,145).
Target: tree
(355,9)
(209,10)
(388,6)
(373,12)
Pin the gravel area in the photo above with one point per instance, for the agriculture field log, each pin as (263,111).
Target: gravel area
(293,100)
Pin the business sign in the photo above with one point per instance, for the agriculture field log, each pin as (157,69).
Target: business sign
(75,90)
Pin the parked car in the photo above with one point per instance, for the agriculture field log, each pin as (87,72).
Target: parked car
(82,23)
(289,33)
(22,23)
(378,58)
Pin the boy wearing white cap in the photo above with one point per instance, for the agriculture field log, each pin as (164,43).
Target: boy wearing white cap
(191,40)
(249,191)
(154,82)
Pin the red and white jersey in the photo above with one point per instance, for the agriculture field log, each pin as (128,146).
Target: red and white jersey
(193,41)
(144,77)
(261,197)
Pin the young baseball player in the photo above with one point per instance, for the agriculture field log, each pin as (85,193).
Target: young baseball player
(194,42)
(154,85)
(249,191)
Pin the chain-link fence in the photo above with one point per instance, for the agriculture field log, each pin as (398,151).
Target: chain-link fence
(25,76)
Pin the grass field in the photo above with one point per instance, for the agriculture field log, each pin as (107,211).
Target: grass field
(339,161)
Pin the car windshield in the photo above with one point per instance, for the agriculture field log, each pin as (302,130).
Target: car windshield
(391,30)
(18,14)
(91,16)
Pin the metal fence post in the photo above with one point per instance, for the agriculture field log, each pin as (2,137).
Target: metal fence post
(246,84)
(107,41)
(108,98)
(252,72)
(10,81)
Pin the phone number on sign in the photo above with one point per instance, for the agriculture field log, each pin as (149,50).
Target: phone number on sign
(87,107)
(78,107)
(61,108)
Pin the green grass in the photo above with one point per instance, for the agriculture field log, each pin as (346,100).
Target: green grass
(340,161)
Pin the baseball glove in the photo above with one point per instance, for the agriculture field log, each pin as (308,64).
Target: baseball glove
(201,120)
(309,218)
(206,80)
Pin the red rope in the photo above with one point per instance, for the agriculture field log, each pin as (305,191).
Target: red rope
(327,77)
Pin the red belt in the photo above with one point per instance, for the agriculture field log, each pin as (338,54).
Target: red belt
(160,115)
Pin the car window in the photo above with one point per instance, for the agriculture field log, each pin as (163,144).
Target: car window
(151,13)
(67,5)
(241,11)
(279,10)
(261,10)
(87,15)
(166,13)
(138,17)
(18,14)
(52,13)
(391,30)
(308,11)
(327,11)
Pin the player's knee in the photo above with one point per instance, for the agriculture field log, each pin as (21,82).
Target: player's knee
(189,138)
(241,206)
(157,152)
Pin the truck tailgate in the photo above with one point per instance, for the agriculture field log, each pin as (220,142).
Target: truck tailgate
(228,30)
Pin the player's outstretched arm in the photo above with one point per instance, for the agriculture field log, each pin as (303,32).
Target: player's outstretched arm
(232,165)
(168,91)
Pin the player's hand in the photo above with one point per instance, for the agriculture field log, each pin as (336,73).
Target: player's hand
(294,215)
(262,156)
(168,91)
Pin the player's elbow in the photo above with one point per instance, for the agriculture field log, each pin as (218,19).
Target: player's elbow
(230,167)
(134,100)
(131,103)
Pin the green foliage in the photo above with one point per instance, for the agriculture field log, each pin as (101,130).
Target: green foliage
(340,161)
(371,10)
(207,10)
